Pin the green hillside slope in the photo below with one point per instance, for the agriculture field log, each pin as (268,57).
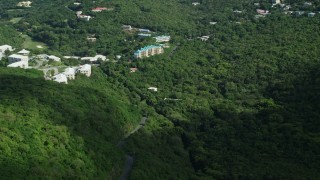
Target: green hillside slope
(50,130)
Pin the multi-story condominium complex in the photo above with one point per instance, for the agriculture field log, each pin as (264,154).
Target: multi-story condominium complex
(148,51)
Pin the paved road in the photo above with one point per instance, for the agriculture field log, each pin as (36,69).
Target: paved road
(129,159)
(127,168)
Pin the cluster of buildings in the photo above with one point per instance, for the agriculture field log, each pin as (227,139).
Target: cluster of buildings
(285,8)
(20,59)
(148,51)
(24,4)
(70,73)
(91,59)
(152,50)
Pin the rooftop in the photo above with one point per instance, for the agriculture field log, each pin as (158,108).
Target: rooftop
(60,78)
(17,56)
(69,70)
(146,48)
(24,51)
(85,67)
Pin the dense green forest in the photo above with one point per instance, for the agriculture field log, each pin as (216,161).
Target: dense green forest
(242,105)
(56,131)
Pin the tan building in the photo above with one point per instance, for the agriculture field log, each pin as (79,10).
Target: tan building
(148,51)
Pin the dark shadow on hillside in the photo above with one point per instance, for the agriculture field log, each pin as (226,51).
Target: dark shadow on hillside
(158,155)
(86,113)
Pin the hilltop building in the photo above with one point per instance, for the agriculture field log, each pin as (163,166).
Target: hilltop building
(144,30)
(132,70)
(60,78)
(311,14)
(82,16)
(204,38)
(162,38)
(16,60)
(148,51)
(126,27)
(86,70)
(99,9)
(54,58)
(24,4)
(144,35)
(153,89)
(70,73)
(92,39)
(24,52)
(276,1)
(95,58)
(71,57)
(262,12)
(20,64)
(5,48)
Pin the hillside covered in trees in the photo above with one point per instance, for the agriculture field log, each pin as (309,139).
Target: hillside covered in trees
(244,104)
(55,131)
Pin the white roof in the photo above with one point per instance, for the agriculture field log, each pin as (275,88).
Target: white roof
(69,70)
(18,56)
(5,46)
(19,64)
(60,78)
(23,51)
(85,67)
(102,57)
(42,56)
(87,58)
(54,58)
(71,57)
(153,88)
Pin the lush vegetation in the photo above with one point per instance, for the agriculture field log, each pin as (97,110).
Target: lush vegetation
(56,131)
(242,105)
